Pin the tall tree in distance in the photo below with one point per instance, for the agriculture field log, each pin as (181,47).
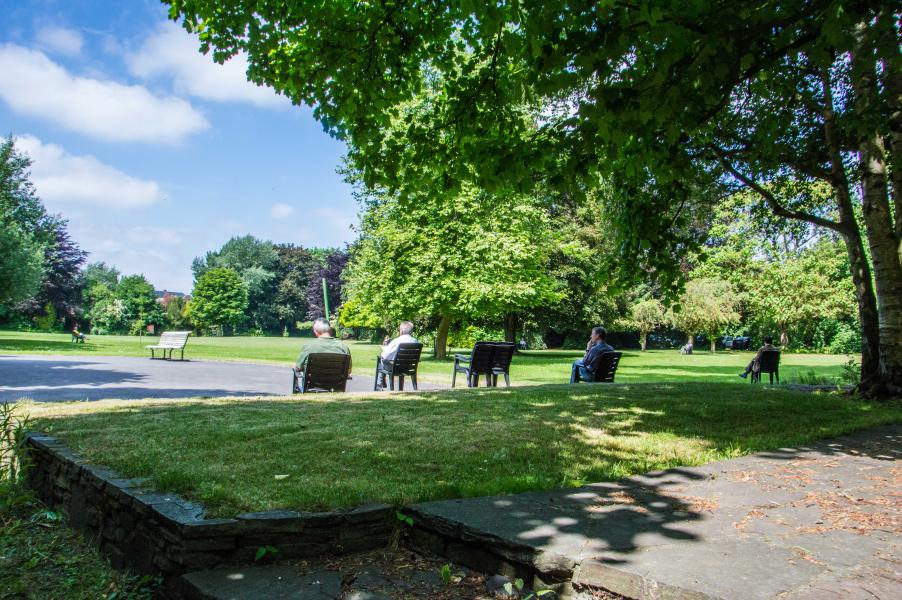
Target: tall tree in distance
(297,268)
(331,270)
(219,300)
(707,306)
(256,262)
(25,230)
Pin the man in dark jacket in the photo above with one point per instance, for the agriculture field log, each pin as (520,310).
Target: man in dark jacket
(596,346)
(754,365)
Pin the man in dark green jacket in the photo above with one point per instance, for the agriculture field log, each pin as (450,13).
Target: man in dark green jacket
(323,342)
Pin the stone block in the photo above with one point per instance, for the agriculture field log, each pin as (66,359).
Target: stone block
(208,528)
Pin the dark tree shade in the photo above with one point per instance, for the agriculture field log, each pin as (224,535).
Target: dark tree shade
(297,267)
(61,286)
(331,270)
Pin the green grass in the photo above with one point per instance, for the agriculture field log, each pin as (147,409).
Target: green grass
(41,558)
(233,455)
(532,367)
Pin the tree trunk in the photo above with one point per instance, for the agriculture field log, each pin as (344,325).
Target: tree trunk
(878,222)
(643,340)
(784,336)
(511,322)
(713,345)
(858,263)
(441,337)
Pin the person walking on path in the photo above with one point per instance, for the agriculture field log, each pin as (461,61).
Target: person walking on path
(597,345)
(755,364)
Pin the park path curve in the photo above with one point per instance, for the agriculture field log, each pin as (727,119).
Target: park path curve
(56,378)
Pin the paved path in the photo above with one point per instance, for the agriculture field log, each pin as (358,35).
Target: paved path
(815,523)
(49,378)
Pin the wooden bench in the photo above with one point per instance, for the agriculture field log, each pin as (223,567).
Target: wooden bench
(171,340)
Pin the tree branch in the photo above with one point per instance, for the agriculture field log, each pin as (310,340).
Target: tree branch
(772,200)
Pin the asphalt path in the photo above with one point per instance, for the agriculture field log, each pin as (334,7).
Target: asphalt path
(51,378)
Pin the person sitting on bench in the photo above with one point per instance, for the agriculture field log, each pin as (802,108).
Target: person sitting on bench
(323,342)
(78,336)
(596,346)
(755,364)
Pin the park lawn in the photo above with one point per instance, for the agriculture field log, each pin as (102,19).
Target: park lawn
(531,367)
(326,451)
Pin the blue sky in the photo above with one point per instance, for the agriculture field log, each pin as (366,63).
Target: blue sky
(154,153)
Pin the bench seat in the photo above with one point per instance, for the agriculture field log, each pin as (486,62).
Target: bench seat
(170,340)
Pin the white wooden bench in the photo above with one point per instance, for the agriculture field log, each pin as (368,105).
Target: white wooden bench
(171,340)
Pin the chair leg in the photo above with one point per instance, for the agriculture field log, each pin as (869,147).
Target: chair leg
(294,382)
(400,383)
(376,379)
(507,379)
(413,381)
(494,380)
(488,380)
(391,382)
(453,378)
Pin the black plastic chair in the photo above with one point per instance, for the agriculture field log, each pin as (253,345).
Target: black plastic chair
(481,361)
(768,363)
(604,367)
(323,372)
(405,362)
(501,362)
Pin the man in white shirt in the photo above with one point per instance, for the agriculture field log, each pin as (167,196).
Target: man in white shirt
(391,349)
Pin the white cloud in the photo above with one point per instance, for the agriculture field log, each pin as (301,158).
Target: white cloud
(60,39)
(338,220)
(281,211)
(34,85)
(173,53)
(61,178)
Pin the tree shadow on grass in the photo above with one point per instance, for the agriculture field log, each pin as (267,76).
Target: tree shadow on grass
(346,450)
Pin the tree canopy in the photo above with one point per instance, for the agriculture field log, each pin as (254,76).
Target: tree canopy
(664,99)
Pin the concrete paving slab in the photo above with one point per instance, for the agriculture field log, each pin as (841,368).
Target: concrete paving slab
(794,523)
(51,378)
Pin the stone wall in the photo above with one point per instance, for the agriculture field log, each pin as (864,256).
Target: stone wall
(150,532)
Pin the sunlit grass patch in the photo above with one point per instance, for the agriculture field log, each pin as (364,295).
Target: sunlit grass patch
(325,451)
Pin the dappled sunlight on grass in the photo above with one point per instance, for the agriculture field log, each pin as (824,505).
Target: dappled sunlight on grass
(338,450)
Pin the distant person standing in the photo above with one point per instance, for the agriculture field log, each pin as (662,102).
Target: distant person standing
(754,365)
(597,345)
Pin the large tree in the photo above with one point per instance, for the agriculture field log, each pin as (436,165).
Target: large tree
(219,300)
(662,96)
(26,230)
(297,267)
(21,267)
(707,306)
(455,258)
(256,262)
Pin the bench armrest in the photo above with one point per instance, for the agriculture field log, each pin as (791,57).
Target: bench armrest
(462,357)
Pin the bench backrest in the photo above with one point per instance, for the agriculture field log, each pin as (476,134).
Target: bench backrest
(407,359)
(175,339)
(504,354)
(769,362)
(605,366)
(482,357)
(326,371)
